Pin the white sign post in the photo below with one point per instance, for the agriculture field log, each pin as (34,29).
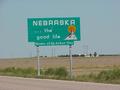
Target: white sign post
(38,61)
(70,54)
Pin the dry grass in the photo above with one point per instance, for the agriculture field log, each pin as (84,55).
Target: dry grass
(80,65)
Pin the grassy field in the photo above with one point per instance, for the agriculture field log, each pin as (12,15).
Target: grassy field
(81,65)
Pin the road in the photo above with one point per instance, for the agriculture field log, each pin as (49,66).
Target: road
(17,83)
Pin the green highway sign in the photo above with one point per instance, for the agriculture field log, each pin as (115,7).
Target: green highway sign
(54,31)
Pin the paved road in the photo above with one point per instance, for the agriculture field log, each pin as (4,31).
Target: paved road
(15,83)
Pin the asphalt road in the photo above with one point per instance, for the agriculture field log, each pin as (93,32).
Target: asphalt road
(16,83)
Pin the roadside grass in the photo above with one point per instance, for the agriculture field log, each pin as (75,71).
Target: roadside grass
(51,73)
(61,73)
(109,76)
(12,71)
(105,76)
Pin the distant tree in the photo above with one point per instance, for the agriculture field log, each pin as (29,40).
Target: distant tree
(95,54)
(82,55)
(90,55)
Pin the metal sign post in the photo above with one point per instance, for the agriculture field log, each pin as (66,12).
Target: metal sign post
(70,53)
(38,61)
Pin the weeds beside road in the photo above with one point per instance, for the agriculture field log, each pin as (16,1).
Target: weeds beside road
(109,76)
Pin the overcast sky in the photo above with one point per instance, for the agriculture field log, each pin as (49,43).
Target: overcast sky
(100,25)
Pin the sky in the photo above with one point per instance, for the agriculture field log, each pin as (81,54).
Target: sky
(99,26)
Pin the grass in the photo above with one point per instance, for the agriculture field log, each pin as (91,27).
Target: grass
(100,69)
(110,76)
(81,65)
(56,73)
(106,76)
(12,71)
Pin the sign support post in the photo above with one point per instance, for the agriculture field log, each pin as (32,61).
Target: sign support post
(38,61)
(70,54)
